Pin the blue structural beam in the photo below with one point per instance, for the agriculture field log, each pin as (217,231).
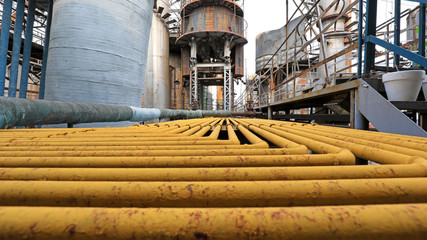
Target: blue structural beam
(422,32)
(420,1)
(396,31)
(370,30)
(16,50)
(27,49)
(4,42)
(360,41)
(401,51)
(46,50)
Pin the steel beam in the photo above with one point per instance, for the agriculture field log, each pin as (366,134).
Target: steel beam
(4,42)
(28,42)
(422,31)
(46,50)
(396,31)
(384,115)
(370,30)
(401,51)
(16,49)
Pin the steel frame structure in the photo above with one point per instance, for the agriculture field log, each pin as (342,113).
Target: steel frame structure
(227,86)
(370,40)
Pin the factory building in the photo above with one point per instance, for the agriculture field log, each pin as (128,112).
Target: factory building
(137,119)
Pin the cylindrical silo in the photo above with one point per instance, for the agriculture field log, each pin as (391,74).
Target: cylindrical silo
(334,36)
(98,51)
(157,80)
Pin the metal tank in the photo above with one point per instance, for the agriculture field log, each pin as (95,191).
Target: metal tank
(157,81)
(334,36)
(212,38)
(267,44)
(98,52)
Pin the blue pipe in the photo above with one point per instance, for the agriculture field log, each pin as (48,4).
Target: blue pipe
(46,51)
(27,49)
(16,50)
(4,42)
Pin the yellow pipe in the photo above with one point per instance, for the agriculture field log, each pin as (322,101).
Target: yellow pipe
(178,152)
(197,128)
(355,131)
(213,194)
(128,148)
(215,133)
(207,128)
(241,160)
(215,174)
(365,152)
(382,222)
(277,140)
(120,143)
(382,139)
(376,144)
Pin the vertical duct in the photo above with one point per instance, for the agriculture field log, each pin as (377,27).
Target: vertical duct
(98,52)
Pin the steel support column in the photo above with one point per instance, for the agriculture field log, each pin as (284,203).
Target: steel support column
(46,50)
(357,120)
(270,113)
(228,81)
(27,49)
(370,29)
(396,31)
(16,50)
(194,95)
(360,41)
(422,32)
(4,42)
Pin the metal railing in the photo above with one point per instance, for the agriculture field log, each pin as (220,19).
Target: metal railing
(300,66)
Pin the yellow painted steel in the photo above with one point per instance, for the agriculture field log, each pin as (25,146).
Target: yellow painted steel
(212,162)
(382,222)
(213,194)
(189,161)
(215,174)
(365,152)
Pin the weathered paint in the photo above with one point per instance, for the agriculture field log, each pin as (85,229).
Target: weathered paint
(215,174)
(382,222)
(213,194)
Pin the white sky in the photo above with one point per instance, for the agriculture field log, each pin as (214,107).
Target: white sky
(262,16)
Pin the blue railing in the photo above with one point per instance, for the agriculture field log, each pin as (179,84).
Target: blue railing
(370,40)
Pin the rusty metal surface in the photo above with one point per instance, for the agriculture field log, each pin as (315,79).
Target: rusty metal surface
(213,194)
(380,222)
(215,21)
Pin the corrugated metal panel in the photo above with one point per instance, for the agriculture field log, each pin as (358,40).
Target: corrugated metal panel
(98,51)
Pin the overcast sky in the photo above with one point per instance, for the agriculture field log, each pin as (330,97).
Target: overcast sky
(262,16)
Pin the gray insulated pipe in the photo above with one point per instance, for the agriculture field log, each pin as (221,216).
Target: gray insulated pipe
(26,112)
(98,51)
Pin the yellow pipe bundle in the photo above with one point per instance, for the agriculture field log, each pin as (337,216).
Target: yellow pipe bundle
(212,178)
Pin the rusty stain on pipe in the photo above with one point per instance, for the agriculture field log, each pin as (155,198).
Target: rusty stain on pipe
(213,194)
